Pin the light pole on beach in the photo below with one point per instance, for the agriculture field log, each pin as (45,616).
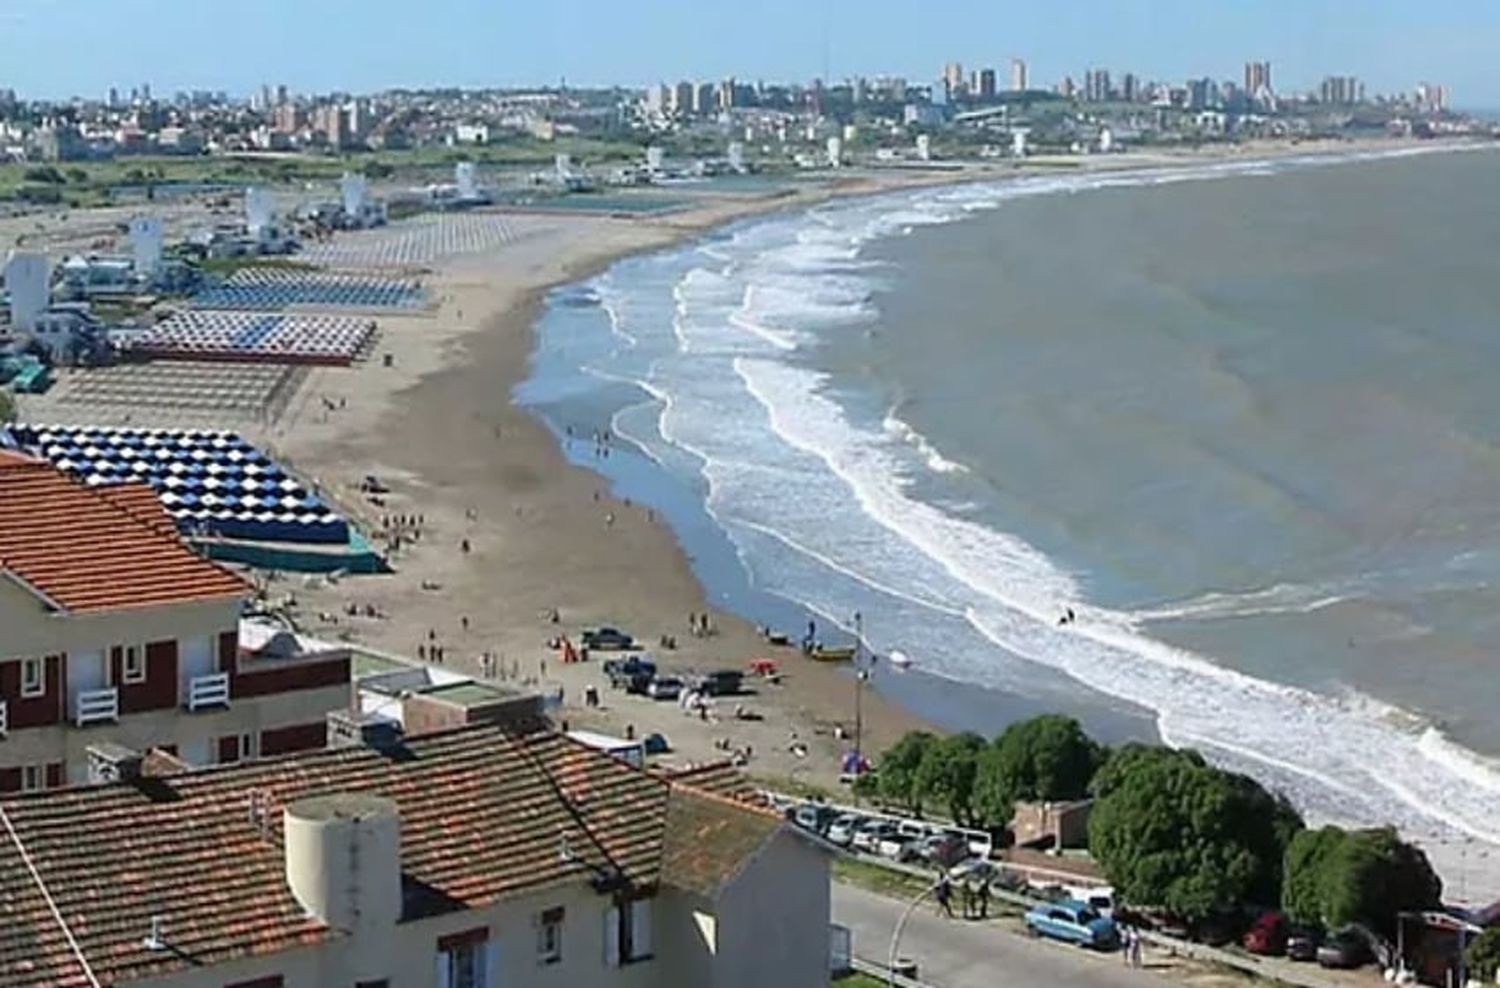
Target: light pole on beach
(859,689)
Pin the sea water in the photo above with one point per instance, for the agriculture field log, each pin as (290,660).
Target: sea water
(1239,418)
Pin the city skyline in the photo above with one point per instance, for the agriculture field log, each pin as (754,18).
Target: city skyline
(465,43)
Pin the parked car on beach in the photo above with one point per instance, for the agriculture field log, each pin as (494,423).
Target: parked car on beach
(1073,922)
(664,688)
(622,672)
(607,638)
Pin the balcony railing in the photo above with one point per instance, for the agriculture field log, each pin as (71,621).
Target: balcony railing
(4,719)
(96,706)
(208,691)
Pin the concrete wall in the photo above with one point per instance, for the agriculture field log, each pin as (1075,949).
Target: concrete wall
(771,929)
(189,732)
(28,629)
(411,952)
(773,919)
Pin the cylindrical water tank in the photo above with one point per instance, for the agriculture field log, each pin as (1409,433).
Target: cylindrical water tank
(343,859)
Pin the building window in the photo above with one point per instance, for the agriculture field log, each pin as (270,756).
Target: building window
(33,677)
(31,778)
(133,664)
(549,930)
(627,932)
(464,958)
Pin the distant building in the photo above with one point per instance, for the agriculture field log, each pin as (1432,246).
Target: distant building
(704,96)
(1130,88)
(1054,825)
(1067,88)
(1096,86)
(984,87)
(953,78)
(1341,90)
(658,100)
(682,99)
(726,100)
(1019,80)
(1258,79)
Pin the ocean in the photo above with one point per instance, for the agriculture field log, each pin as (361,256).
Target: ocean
(1240,418)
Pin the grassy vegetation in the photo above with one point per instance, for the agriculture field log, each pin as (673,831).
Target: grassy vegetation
(857,980)
(874,878)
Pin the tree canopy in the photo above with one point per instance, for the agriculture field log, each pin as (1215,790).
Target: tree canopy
(1337,877)
(896,780)
(1044,758)
(1484,956)
(946,774)
(1173,832)
(7,407)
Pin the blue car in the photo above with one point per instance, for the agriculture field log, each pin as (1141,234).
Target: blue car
(1073,922)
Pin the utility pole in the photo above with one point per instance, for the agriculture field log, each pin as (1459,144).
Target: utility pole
(859,690)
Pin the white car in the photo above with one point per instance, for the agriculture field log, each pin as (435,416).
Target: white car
(841,831)
(868,837)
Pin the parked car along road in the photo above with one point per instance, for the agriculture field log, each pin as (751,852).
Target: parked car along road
(1302,943)
(869,835)
(1345,949)
(1073,922)
(841,830)
(1267,936)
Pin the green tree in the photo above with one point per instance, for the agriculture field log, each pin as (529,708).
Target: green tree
(7,406)
(45,174)
(1174,832)
(1044,758)
(1302,884)
(896,775)
(946,774)
(77,176)
(1370,876)
(1484,956)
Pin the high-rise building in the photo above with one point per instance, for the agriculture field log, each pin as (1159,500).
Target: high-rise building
(1203,94)
(1130,88)
(682,98)
(1258,79)
(953,78)
(1096,86)
(1019,81)
(1432,98)
(726,94)
(984,85)
(146,92)
(287,119)
(114,97)
(1340,90)
(658,100)
(265,97)
(703,98)
(281,94)
(1067,89)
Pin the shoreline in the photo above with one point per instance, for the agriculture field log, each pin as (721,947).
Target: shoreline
(646,581)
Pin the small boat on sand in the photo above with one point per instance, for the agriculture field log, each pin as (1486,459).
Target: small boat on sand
(823,653)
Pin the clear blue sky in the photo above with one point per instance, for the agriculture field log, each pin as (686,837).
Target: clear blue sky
(65,47)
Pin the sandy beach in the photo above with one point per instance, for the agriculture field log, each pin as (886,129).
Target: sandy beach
(439,427)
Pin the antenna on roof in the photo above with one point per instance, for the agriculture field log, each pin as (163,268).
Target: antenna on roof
(154,939)
(260,811)
(564,852)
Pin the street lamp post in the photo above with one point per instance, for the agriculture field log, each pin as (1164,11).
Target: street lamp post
(911,907)
(859,689)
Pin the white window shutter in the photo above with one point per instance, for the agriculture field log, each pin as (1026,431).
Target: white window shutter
(492,963)
(640,928)
(444,971)
(612,937)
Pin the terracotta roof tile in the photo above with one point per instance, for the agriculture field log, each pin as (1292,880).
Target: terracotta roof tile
(96,549)
(484,814)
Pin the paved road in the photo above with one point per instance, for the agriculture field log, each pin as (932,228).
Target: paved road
(966,954)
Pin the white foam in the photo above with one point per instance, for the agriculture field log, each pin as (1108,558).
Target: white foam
(762,426)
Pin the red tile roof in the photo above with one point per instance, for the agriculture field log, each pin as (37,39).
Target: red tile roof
(97,548)
(484,815)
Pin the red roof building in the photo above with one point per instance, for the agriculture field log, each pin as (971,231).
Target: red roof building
(116,632)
